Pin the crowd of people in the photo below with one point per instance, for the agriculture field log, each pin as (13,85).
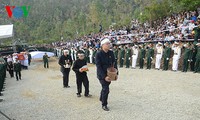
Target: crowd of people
(179,55)
(177,27)
(13,63)
(168,42)
(182,28)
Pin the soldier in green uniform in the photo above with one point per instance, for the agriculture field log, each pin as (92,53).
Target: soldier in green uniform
(87,53)
(72,53)
(46,61)
(115,50)
(196,33)
(2,76)
(166,56)
(122,53)
(94,55)
(29,59)
(193,57)
(17,69)
(142,56)
(197,63)
(128,56)
(5,65)
(150,55)
(186,57)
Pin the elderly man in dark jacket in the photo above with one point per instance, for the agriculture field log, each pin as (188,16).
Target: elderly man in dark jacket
(104,59)
(65,62)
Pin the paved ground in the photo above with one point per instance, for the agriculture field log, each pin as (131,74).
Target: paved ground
(137,95)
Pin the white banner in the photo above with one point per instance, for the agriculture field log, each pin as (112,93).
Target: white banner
(6,31)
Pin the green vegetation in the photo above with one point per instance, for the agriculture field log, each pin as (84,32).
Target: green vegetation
(49,20)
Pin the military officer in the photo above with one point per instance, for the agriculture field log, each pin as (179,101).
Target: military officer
(29,59)
(17,69)
(193,57)
(90,55)
(197,63)
(115,50)
(166,56)
(46,61)
(134,56)
(94,55)
(73,54)
(186,57)
(87,53)
(159,49)
(122,54)
(2,76)
(196,33)
(10,69)
(177,53)
(142,56)
(150,55)
(128,56)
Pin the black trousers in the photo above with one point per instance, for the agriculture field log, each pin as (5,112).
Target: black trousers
(83,79)
(46,64)
(197,65)
(185,65)
(121,62)
(18,75)
(65,72)
(29,62)
(149,63)
(104,92)
(166,64)
(192,65)
(11,72)
(141,63)
(1,82)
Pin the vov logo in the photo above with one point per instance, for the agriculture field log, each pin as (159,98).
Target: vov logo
(17,11)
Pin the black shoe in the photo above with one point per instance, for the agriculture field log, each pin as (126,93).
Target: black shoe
(1,100)
(78,95)
(66,86)
(105,108)
(1,94)
(88,95)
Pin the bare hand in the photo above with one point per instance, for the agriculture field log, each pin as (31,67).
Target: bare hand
(80,70)
(108,79)
(116,77)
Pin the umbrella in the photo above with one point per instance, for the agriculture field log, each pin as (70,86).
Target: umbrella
(40,54)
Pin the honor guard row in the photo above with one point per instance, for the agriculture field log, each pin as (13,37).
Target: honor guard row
(162,55)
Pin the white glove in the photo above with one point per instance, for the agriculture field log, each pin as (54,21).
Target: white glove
(188,60)
(151,58)
(167,58)
(129,58)
(122,58)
